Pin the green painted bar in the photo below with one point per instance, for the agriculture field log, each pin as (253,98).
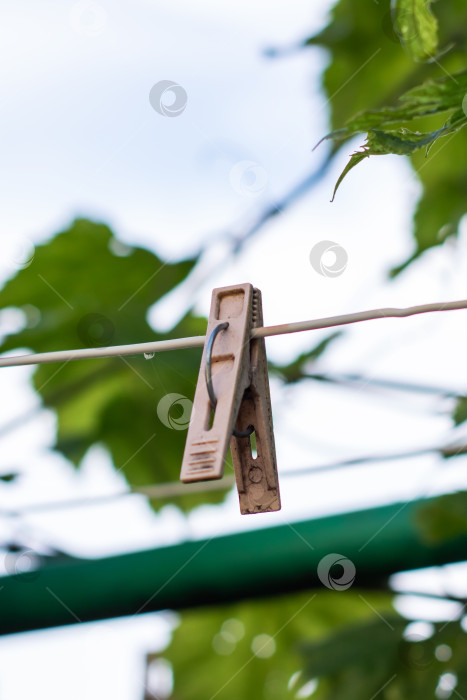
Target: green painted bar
(252,564)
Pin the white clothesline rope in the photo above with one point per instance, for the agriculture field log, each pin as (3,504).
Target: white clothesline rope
(198,340)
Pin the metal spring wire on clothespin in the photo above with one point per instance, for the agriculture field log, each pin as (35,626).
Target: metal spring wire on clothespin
(208,374)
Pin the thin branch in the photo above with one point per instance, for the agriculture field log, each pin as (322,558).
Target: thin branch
(176,489)
(393,385)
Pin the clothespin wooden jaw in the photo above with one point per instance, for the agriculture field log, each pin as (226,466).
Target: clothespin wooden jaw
(232,400)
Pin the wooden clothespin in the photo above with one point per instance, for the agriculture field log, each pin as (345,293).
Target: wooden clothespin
(232,401)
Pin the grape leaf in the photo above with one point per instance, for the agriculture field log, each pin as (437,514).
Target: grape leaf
(88,295)
(417,27)
(432,98)
(369,70)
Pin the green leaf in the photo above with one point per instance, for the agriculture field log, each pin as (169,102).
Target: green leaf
(417,27)
(371,82)
(355,159)
(400,142)
(433,97)
(89,296)
(367,65)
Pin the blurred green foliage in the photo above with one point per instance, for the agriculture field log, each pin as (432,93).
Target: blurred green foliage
(89,294)
(383,658)
(256,649)
(329,645)
(460,412)
(375,58)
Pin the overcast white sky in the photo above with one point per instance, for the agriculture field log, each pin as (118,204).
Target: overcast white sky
(81,138)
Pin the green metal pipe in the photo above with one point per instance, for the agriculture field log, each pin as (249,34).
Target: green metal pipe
(259,563)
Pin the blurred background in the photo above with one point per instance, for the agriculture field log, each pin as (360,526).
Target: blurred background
(152,151)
